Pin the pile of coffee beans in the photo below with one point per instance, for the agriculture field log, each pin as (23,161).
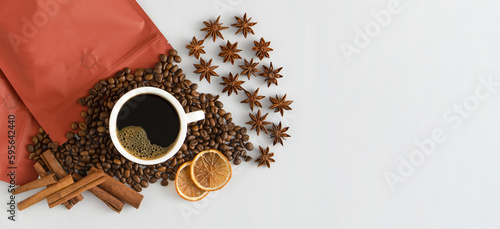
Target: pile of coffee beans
(89,143)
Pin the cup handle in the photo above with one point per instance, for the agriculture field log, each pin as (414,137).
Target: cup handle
(195,116)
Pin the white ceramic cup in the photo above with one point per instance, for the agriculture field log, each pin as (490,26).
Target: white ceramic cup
(184,119)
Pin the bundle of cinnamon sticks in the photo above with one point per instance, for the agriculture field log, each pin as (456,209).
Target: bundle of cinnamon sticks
(66,189)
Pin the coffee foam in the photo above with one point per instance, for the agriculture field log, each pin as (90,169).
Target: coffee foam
(135,141)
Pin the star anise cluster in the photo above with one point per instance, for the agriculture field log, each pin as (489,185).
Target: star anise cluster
(230,53)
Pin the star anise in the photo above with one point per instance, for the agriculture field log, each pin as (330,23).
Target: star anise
(213,29)
(205,69)
(231,84)
(253,99)
(244,25)
(265,157)
(229,52)
(195,48)
(271,75)
(258,122)
(278,133)
(250,68)
(262,48)
(280,104)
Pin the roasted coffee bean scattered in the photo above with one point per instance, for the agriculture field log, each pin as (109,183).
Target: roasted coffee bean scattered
(92,145)
(74,125)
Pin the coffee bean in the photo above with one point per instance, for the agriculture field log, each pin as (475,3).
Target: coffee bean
(101,129)
(163,58)
(74,126)
(70,135)
(34,140)
(118,174)
(136,178)
(53,145)
(144,183)
(224,136)
(137,187)
(82,173)
(139,73)
(68,160)
(172,52)
(170,59)
(82,126)
(148,77)
(164,182)
(31,148)
(178,59)
(249,146)
(117,161)
(81,101)
(237,161)
(106,165)
(120,73)
(86,158)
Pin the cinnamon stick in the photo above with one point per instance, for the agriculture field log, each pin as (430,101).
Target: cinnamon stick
(53,164)
(64,182)
(41,171)
(114,203)
(77,188)
(120,190)
(55,167)
(44,181)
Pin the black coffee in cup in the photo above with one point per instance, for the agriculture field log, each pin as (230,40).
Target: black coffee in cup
(148,125)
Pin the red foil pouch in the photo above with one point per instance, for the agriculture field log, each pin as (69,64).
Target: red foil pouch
(54,51)
(17,127)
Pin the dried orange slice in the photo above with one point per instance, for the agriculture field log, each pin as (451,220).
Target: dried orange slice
(210,170)
(185,186)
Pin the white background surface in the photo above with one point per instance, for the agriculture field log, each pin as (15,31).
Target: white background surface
(351,122)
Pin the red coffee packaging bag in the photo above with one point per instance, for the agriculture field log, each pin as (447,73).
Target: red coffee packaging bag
(54,51)
(17,127)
